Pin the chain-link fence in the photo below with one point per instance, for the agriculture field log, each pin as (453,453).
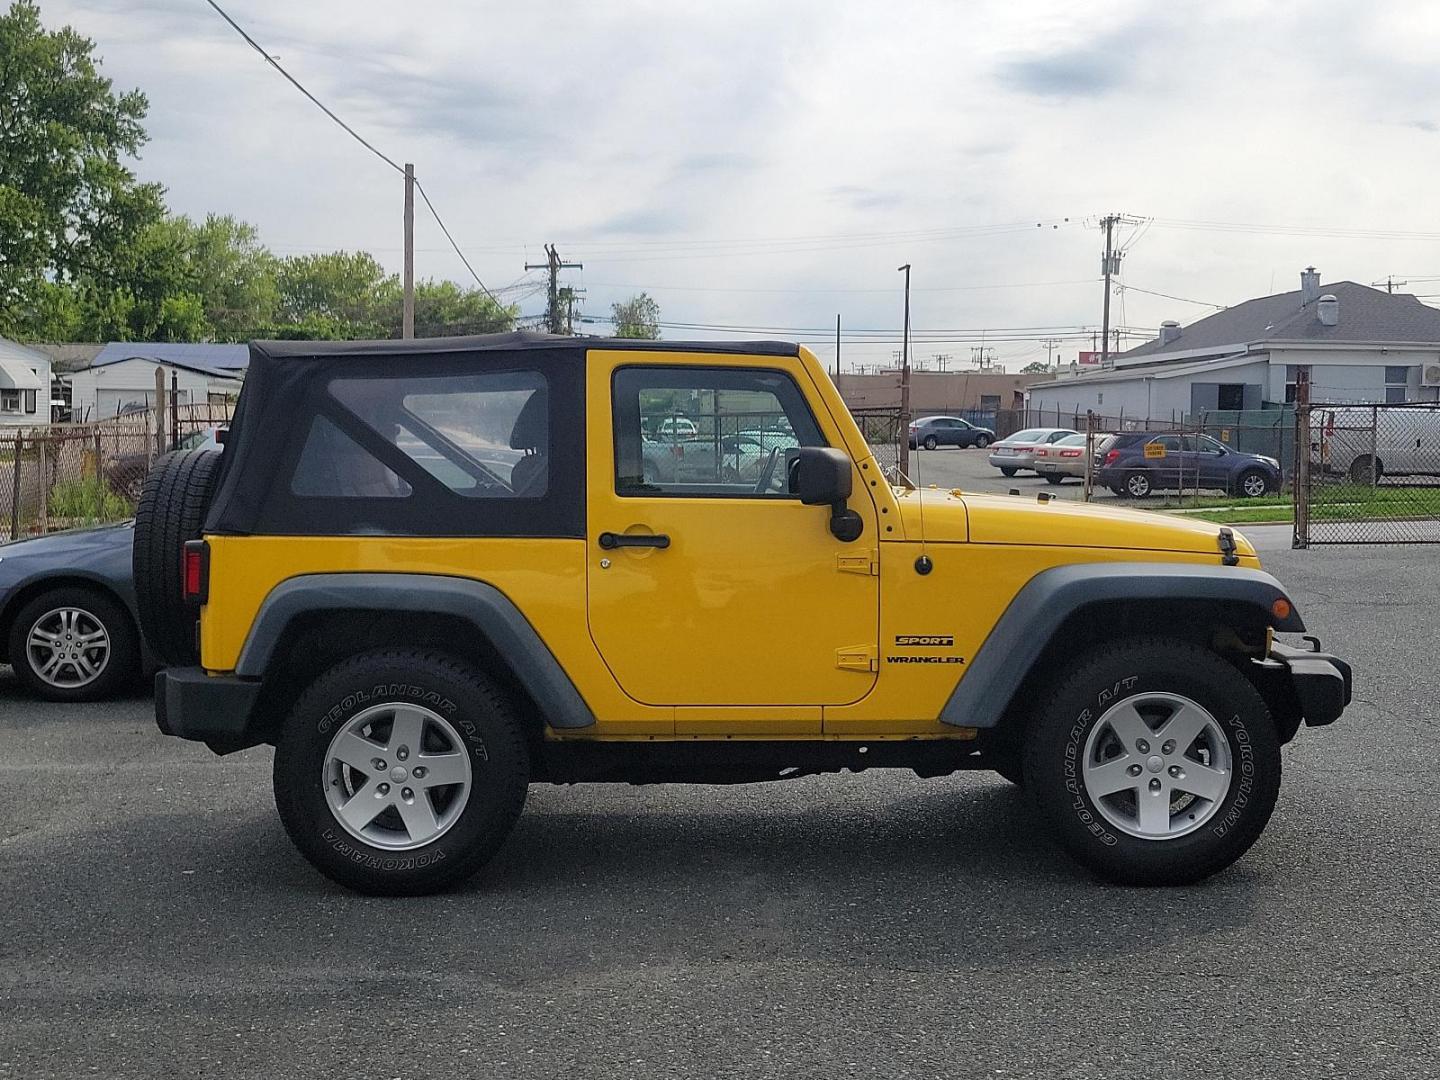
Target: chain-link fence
(883,431)
(1371,474)
(68,476)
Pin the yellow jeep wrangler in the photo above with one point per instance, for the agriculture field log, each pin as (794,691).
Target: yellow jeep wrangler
(431,573)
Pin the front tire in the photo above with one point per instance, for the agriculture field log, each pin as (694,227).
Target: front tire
(1155,762)
(74,644)
(400,772)
(1252,484)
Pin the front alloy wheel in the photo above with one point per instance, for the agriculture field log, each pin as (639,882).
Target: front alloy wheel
(1253,485)
(1155,762)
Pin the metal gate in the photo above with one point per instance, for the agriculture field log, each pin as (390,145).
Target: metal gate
(883,431)
(1371,476)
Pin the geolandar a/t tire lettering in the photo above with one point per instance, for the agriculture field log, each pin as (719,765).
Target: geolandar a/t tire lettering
(400,772)
(1155,762)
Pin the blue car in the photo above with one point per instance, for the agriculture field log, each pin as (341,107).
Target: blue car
(1136,463)
(68,623)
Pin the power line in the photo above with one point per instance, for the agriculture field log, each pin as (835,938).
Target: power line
(296,83)
(357,137)
(1167,296)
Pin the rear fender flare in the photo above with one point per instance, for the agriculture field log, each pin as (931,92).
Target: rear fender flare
(1037,612)
(483,606)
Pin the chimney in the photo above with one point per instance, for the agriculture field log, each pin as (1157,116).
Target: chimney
(1309,286)
(1169,331)
(1328,310)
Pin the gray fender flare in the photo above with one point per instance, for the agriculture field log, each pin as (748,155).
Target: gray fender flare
(1052,596)
(483,606)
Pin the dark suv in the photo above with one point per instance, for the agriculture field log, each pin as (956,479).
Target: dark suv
(1138,462)
(933,432)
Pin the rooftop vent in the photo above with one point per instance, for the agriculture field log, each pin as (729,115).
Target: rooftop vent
(1169,331)
(1328,310)
(1309,286)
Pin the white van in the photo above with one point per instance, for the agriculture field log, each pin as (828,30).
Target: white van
(1402,441)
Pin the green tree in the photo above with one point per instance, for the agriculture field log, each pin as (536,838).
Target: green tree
(638,317)
(67,203)
(443,307)
(235,276)
(338,294)
(1036,367)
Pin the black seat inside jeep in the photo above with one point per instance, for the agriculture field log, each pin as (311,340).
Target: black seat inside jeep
(531,434)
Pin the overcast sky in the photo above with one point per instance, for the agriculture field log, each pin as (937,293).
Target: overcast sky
(769,164)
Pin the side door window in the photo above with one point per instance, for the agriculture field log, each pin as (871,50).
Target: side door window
(718,433)
(1168,464)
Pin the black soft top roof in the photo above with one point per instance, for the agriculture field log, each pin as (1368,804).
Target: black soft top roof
(517,340)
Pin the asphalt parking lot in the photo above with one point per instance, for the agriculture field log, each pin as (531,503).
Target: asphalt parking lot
(158,923)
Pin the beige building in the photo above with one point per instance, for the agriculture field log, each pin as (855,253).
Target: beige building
(939,391)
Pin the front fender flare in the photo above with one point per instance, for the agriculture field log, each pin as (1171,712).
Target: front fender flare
(1039,609)
(485,607)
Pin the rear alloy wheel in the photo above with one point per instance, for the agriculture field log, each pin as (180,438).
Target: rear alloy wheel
(931,442)
(1054,478)
(1252,484)
(982,441)
(73,644)
(1156,762)
(400,772)
(1137,485)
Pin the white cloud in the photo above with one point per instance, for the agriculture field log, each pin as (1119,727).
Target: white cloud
(664,143)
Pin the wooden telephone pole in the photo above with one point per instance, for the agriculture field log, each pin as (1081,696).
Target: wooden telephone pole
(905,382)
(554,316)
(407,311)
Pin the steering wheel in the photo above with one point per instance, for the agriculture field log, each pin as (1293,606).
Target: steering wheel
(763,484)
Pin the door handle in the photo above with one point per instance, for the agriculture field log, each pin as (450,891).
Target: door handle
(609,540)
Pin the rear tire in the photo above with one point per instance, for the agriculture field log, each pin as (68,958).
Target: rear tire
(172,510)
(931,443)
(1115,706)
(461,713)
(74,644)
(1362,471)
(1007,471)
(1054,478)
(982,441)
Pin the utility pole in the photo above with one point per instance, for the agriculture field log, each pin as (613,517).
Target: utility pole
(1108,266)
(942,361)
(1389,283)
(554,318)
(1051,344)
(837,351)
(407,311)
(905,382)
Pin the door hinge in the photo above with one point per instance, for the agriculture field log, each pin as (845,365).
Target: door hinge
(858,658)
(859,562)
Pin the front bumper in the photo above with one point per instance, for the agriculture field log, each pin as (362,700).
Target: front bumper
(218,710)
(1321,682)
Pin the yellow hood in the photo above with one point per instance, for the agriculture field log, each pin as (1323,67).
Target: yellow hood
(1023,519)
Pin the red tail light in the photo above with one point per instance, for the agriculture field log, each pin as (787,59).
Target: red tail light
(1112,457)
(1042,452)
(1071,453)
(196,572)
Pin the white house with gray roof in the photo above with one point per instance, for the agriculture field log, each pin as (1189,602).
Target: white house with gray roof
(24,386)
(1359,344)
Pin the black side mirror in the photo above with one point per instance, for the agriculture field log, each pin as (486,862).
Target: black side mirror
(821,476)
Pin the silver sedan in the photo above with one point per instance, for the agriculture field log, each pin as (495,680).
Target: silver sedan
(1016,452)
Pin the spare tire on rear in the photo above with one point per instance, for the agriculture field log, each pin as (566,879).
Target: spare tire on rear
(172,509)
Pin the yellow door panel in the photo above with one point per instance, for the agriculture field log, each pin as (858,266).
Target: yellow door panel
(750,603)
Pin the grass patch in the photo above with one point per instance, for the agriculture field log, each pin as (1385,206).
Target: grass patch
(88,500)
(1329,502)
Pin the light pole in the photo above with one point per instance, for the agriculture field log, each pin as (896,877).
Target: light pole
(905,382)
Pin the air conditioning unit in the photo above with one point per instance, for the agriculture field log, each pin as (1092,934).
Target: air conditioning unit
(1431,375)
